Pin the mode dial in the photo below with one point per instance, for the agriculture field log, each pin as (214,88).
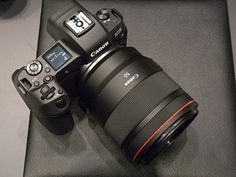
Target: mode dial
(103,14)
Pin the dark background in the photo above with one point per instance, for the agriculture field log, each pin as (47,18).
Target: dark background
(191,41)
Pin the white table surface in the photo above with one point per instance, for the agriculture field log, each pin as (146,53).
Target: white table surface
(18,45)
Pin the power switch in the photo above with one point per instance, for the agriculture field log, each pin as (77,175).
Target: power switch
(103,14)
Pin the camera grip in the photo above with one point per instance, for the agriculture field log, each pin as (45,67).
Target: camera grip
(49,102)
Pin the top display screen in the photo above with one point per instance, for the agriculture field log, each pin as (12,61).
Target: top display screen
(57,56)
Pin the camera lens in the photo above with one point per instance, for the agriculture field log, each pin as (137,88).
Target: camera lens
(135,101)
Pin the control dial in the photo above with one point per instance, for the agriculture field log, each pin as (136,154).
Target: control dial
(103,14)
(34,67)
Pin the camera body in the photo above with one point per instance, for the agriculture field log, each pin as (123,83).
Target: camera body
(82,37)
(130,95)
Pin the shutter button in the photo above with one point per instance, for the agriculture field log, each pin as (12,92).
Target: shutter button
(34,67)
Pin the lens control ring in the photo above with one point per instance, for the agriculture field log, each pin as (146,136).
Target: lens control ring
(171,117)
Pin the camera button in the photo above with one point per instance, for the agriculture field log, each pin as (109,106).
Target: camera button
(34,67)
(36,83)
(103,14)
(50,95)
(47,92)
(47,69)
(60,91)
(61,103)
(47,78)
(44,89)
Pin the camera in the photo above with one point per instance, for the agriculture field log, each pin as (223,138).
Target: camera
(129,94)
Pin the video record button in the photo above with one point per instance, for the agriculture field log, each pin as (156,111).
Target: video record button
(47,78)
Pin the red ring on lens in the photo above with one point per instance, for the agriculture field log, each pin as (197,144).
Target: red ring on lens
(144,144)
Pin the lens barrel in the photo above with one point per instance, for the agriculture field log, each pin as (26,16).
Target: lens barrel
(137,103)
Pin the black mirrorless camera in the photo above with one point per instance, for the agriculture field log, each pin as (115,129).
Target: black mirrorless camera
(130,95)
